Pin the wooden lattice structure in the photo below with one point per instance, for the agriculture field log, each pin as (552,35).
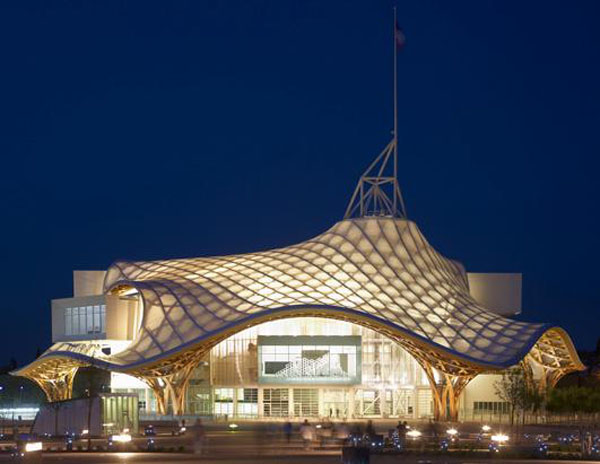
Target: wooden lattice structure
(376,270)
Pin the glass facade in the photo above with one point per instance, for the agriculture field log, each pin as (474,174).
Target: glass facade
(309,359)
(85,320)
(306,367)
(119,412)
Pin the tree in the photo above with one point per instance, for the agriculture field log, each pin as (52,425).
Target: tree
(578,401)
(574,400)
(512,389)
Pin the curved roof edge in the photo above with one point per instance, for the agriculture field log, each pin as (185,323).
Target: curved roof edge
(389,329)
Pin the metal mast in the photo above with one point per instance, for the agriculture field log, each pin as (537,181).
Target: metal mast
(378,193)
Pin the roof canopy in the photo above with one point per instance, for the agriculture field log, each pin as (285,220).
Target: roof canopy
(375,271)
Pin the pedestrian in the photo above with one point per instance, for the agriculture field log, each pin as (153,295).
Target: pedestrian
(401,430)
(326,432)
(433,430)
(287,431)
(199,437)
(370,430)
(307,434)
(342,432)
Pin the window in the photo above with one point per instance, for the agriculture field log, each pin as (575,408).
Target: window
(306,402)
(85,320)
(224,401)
(309,359)
(97,326)
(68,321)
(247,402)
(276,402)
(490,407)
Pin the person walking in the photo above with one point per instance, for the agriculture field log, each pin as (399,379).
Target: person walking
(370,431)
(287,431)
(199,437)
(307,434)
(401,430)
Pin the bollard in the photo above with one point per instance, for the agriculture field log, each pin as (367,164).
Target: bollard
(150,445)
(541,450)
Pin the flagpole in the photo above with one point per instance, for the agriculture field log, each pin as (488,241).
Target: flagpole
(395,111)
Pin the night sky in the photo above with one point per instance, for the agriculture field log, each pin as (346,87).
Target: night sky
(146,130)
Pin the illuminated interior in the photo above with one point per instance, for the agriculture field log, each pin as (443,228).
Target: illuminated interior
(383,379)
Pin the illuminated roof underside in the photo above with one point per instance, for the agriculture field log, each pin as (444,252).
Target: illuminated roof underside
(378,272)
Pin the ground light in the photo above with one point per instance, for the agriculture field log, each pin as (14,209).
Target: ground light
(486,428)
(121,438)
(499,438)
(33,446)
(233,426)
(413,433)
(452,432)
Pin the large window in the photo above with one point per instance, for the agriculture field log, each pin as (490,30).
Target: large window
(307,359)
(85,320)
(224,402)
(276,402)
(306,402)
(247,402)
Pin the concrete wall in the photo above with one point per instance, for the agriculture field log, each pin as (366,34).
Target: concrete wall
(481,388)
(121,317)
(88,283)
(498,292)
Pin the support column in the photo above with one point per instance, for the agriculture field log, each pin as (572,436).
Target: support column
(261,408)
(170,386)
(177,387)
(59,387)
(453,387)
(350,414)
(159,393)
(290,402)
(439,411)
(446,394)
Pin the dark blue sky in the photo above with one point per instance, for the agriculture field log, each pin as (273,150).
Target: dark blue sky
(146,130)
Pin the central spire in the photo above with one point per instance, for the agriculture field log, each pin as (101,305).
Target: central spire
(378,192)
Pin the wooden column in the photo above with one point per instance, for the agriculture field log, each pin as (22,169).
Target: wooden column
(58,387)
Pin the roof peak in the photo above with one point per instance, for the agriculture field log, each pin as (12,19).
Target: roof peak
(377,193)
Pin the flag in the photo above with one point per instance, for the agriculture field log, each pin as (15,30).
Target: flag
(399,37)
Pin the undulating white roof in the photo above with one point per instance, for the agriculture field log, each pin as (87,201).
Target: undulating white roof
(378,269)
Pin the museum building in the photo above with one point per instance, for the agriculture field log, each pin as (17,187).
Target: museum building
(366,320)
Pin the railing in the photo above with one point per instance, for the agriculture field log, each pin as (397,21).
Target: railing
(540,418)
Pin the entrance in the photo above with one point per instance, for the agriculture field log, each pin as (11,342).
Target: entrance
(335,403)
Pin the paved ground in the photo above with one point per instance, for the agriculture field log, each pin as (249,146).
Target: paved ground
(251,443)
(166,458)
